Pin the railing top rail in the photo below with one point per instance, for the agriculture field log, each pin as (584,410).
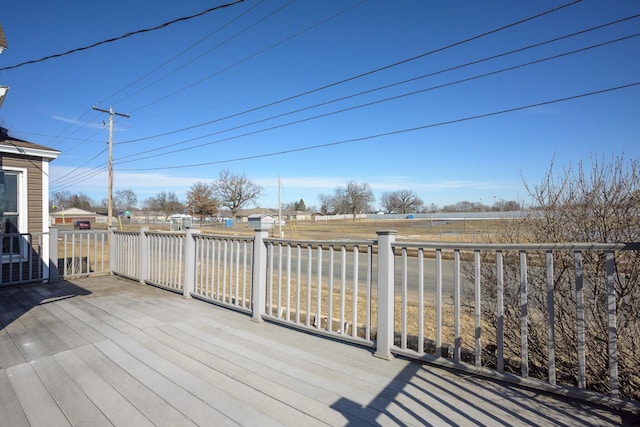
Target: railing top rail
(81,231)
(326,243)
(159,233)
(225,237)
(124,232)
(521,246)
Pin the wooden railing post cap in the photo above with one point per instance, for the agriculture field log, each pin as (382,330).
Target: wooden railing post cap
(386,232)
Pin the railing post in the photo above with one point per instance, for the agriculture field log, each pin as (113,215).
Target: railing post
(143,267)
(189,280)
(386,298)
(259,279)
(111,241)
(53,255)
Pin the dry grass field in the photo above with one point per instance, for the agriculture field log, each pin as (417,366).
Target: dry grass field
(408,229)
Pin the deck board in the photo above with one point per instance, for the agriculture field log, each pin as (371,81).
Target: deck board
(115,406)
(153,407)
(12,412)
(108,351)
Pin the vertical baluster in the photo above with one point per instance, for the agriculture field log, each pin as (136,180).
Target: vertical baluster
(524,316)
(613,326)
(343,287)
(367,332)
(477,312)
(355,293)
(319,289)
(178,247)
(218,262)
(403,296)
(551,334)
(237,281)
(330,300)
(298,280)
(225,271)
(288,289)
(580,321)
(439,302)
(500,311)
(280,280)
(309,287)
(270,278)
(421,301)
(457,344)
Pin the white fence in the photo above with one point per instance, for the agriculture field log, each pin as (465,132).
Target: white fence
(547,316)
(21,256)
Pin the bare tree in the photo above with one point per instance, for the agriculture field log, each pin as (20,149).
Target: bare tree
(234,191)
(125,199)
(326,203)
(66,200)
(354,199)
(401,201)
(599,204)
(166,202)
(200,200)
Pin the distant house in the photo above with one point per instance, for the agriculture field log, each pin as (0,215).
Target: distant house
(244,214)
(296,215)
(71,215)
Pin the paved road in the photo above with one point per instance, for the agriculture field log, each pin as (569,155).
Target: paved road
(412,271)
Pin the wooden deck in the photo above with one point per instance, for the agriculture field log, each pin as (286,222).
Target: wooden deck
(107,351)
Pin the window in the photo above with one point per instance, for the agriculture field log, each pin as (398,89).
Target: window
(9,211)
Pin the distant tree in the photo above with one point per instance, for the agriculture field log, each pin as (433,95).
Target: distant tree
(354,199)
(65,200)
(326,203)
(401,201)
(60,200)
(166,202)
(299,206)
(200,201)
(234,191)
(103,205)
(125,200)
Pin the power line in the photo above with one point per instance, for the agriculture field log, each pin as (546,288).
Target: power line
(55,181)
(476,77)
(370,72)
(176,57)
(396,132)
(114,39)
(260,52)
(90,173)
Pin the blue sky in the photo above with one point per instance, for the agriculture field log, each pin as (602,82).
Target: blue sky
(233,88)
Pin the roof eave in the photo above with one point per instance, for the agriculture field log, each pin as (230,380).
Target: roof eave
(34,152)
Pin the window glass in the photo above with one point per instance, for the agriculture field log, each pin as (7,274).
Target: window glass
(9,211)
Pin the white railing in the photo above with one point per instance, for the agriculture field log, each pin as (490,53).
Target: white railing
(223,270)
(21,258)
(321,286)
(166,260)
(541,315)
(80,253)
(125,250)
(510,310)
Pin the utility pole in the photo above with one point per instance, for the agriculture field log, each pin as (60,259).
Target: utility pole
(110,207)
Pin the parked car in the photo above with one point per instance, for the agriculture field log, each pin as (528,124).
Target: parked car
(82,225)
